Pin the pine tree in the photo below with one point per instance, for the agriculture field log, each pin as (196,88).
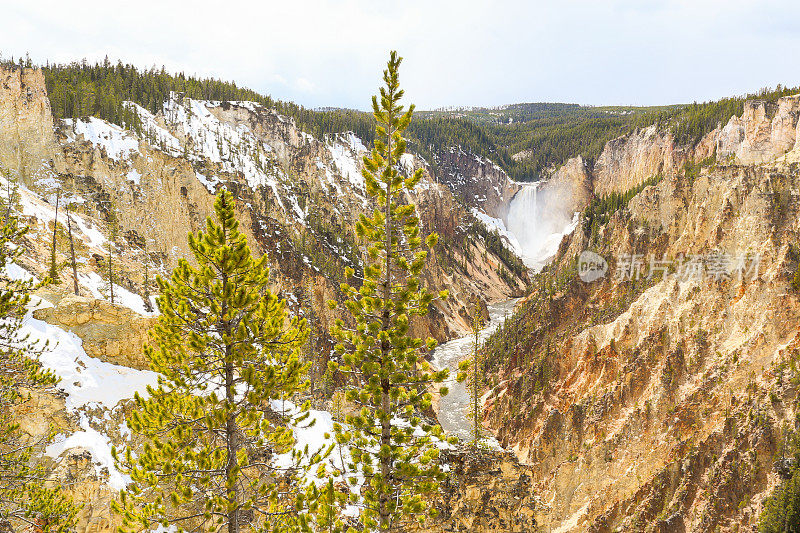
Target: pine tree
(387,377)
(224,350)
(113,229)
(24,500)
(311,321)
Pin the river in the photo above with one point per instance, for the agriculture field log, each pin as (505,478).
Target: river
(454,408)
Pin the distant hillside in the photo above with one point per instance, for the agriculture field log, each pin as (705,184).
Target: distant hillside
(526,140)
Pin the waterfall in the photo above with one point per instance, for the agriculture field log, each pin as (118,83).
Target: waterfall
(538,220)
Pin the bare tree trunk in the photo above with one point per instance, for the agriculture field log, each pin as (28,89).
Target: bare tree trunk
(148,306)
(72,254)
(53,271)
(110,274)
(232,447)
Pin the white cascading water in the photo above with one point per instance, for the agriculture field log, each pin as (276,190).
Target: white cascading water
(538,220)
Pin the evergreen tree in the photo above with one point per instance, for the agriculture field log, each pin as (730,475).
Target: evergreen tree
(781,513)
(387,377)
(24,500)
(224,350)
(113,227)
(311,322)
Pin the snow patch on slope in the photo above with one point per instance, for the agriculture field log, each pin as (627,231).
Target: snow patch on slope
(86,380)
(118,143)
(346,149)
(98,445)
(156,135)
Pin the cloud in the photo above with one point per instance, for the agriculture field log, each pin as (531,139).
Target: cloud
(470,52)
(304,85)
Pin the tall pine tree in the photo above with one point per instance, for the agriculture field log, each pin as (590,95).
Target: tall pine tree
(224,350)
(387,378)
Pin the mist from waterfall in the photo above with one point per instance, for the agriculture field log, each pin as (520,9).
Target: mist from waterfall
(538,217)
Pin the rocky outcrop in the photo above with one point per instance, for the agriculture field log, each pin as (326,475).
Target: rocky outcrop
(628,160)
(111,333)
(764,132)
(27,144)
(487,491)
(570,187)
(476,180)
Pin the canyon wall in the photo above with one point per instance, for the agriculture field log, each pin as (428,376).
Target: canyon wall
(657,397)
(27,143)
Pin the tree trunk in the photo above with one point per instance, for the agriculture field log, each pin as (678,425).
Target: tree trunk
(233,448)
(386,423)
(53,271)
(110,274)
(231,430)
(72,254)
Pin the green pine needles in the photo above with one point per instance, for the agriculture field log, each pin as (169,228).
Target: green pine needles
(26,501)
(225,350)
(392,445)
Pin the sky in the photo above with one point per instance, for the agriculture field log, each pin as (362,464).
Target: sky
(470,52)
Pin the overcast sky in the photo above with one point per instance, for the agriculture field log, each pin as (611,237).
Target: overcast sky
(331,52)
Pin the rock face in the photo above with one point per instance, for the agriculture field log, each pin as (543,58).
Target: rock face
(571,185)
(111,333)
(487,491)
(764,132)
(27,143)
(657,404)
(476,180)
(627,161)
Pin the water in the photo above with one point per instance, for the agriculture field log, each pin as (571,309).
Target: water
(454,408)
(538,220)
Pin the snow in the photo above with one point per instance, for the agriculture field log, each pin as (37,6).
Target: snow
(86,380)
(235,148)
(134,176)
(329,178)
(496,224)
(407,162)
(316,437)
(117,143)
(98,445)
(156,135)
(88,383)
(209,183)
(346,150)
(33,206)
(98,288)
(17,273)
(313,438)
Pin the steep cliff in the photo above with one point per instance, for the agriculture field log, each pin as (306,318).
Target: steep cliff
(27,143)
(656,397)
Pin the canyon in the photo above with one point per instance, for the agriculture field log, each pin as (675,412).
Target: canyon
(631,403)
